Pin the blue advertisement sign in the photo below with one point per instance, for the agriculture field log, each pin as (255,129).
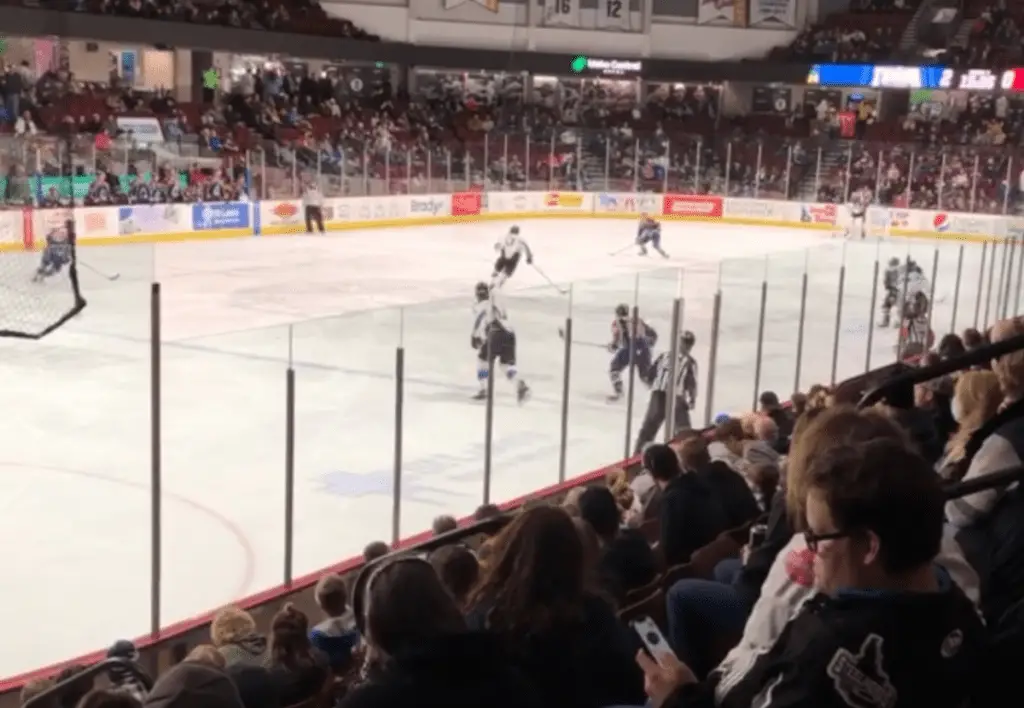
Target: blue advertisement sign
(220,215)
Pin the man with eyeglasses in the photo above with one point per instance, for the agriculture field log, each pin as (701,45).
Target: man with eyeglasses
(886,628)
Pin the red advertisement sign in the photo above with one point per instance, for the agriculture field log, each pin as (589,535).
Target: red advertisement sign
(705,206)
(847,124)
(466,203)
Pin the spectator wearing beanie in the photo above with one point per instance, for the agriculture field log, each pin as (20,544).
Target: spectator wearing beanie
(121,679)
(625,560)
(233,632)
(691,517)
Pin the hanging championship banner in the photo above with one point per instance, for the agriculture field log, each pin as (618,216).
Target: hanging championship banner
(562,13)
(614,15)
(722,12)
(773,14)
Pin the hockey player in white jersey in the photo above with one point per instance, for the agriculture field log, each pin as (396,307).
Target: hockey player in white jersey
(649,232)
(904,283)
(858,209)
(494,339)
(510,250)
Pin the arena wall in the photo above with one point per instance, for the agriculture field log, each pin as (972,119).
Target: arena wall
(22,229)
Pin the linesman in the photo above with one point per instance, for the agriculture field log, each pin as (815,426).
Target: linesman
(313,206)
(684,392)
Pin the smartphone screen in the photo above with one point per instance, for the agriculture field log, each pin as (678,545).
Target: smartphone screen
(655,642)
(758,533)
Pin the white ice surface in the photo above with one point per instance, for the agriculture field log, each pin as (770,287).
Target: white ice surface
(75,449)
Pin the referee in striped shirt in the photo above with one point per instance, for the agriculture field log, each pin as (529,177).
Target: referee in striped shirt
(684,392)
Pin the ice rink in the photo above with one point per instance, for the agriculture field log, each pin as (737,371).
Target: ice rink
(75,460)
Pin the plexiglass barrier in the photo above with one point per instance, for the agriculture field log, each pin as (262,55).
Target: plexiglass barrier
(981,179)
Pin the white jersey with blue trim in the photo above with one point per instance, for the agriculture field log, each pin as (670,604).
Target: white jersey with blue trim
(512,245)
(487,316)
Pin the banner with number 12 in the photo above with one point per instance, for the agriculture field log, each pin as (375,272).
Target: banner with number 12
(614,14)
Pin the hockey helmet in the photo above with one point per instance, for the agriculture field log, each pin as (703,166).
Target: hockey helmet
(622,311)
(483,291)
(688,339)
(514,229)
(893,262)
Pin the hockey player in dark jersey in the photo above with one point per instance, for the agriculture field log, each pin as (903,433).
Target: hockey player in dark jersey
(895,278)
(624,340)
(56,255)
(683,391)
(649,232)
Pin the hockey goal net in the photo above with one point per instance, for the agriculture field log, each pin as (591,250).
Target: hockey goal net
(35,300)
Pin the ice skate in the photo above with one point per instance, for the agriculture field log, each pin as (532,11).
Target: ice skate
(643,251)
(480,395)
(663,254)
(522,391)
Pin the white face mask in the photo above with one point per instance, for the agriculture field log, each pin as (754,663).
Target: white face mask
(954,409)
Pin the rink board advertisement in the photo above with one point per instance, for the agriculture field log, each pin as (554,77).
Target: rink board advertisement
(22,228)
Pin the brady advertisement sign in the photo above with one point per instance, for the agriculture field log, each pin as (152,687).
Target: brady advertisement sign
(754,209)
(220,215)
(423,206)
(704,206)
(627,203)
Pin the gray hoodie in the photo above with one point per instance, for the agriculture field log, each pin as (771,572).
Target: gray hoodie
(720,452)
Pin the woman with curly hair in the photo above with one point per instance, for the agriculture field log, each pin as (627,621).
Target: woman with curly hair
(535,597)
(297,670)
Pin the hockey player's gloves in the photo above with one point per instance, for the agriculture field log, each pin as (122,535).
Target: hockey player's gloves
(476,342)
(529,260)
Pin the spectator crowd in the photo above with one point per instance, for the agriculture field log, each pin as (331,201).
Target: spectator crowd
(815,554)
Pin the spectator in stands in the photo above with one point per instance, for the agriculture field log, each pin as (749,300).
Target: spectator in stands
(121,679)
(486,511)
(193,684)
(35,687)
(798,405)
(789,582)
(297,670)
(691,516)
(951,346)
(571,502)
(375,550)
(972,339)
(727,443)
(563,635)
(976,400)
(763,449)
(771,407)
(874,527)
(106,698)
(625,560)
(727,485)
(990,521)
(207,654)
(336,636)
(458,569)
(233,632)
(427,653)
(76,690)
(444,524)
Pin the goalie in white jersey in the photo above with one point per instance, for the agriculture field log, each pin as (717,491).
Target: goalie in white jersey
(494,339)
(510,250)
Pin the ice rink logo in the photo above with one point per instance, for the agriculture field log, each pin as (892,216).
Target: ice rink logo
(941,222)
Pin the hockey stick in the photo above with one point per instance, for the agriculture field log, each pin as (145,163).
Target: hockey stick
(550,281)
(596,345)
(622,250)
(106,276)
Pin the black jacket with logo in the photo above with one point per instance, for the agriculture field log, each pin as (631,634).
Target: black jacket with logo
(860,650)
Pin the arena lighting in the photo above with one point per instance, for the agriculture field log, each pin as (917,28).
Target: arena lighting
(606,67)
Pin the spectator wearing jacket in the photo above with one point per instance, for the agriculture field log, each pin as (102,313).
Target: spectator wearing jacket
(728,486)
(882,627)
(336,636)
(233,632)
(691,516)
(625,560)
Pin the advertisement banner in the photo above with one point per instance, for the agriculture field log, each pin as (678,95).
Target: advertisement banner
(151,219)
(45,221)
(509,202)
(220,215)
(13,232)
(901,219)
(705,206)
(467,203)
(617,203)
(143,130)
(753,209)
(95,222)
(421,206)
(282,214)
(819,214)
(1014,228)
(969,224)
(773,14)
(721,12)
(563,200)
